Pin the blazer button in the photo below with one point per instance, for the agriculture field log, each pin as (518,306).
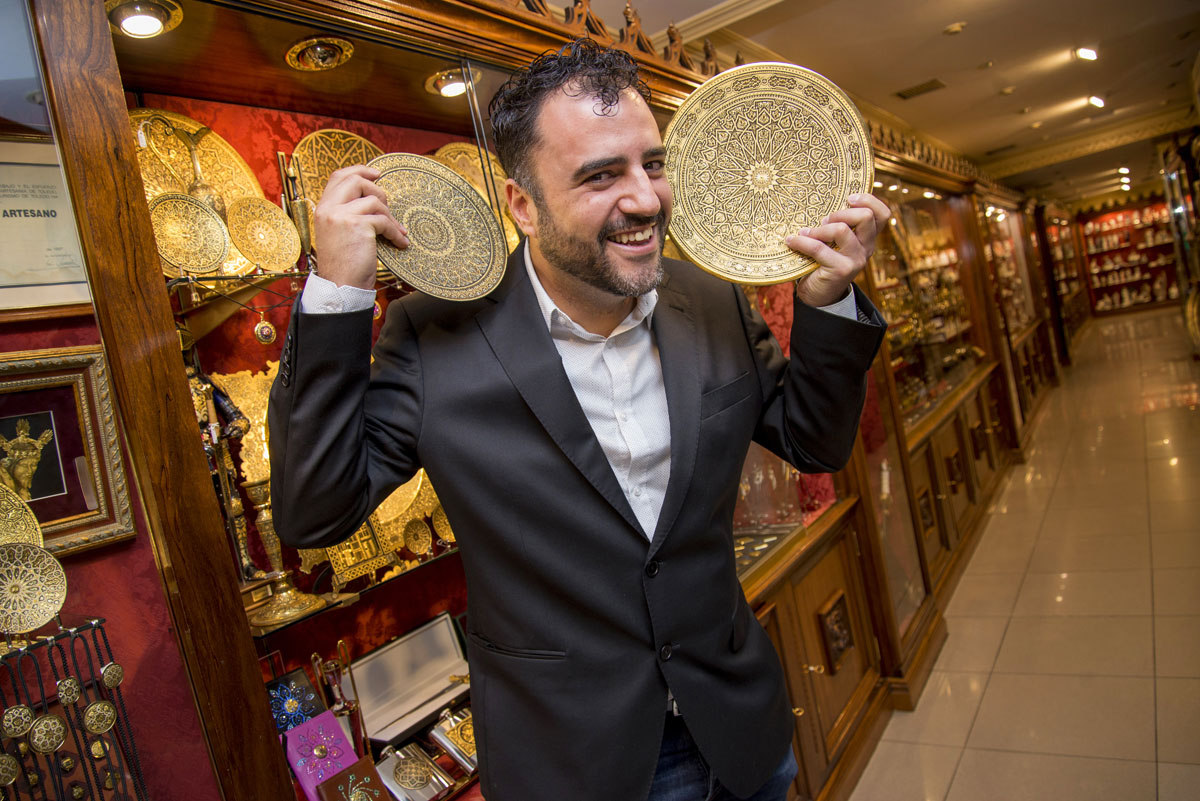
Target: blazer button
(664,653)
(652,568)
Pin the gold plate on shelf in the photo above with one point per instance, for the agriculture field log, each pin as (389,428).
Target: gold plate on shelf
(329,149)
(463,158)
(18,523)
(99,716)
(166,166)
(264,233)
(48,734)
(457,249)
(190,236)
(33,587)
(754,154)
(16,721)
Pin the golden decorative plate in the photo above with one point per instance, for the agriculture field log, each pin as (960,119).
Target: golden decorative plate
(441,524)
(329,149)
(33,587)
(411,774)
(190,236)
(754,154)
(463,158)
(9,769)
(463,735)
(417,537)
(166,166)
(18,523)
(16,721)
(48,734)
(99,716)
(457,249)
(68,690)
(263,233)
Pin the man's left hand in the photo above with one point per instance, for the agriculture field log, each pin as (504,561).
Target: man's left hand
(840,245)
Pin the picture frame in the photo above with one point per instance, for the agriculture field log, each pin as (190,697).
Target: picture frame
(837,634)
(60,447)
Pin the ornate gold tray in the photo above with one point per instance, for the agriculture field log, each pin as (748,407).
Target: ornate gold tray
(329,149)
(264,233)
(754,154)
(166,166)
(33,587)
(457,249)
(18,523)
(190,236)
(463,158)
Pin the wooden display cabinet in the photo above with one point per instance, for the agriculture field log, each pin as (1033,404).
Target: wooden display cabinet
(1130,256)
(1058,240)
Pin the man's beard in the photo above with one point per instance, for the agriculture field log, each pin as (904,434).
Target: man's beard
(588,260)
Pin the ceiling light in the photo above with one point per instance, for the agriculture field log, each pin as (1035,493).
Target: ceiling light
(448,83)
(1125,179)
(893,187)
(953,28)
(1037,124)
(1086,53)
(143,19)
(1008,90)
(877,184)
(319,53)
(1098,102)
(1123,170)
(927,194)
(1125,187)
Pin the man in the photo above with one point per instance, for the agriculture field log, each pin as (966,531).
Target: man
(585,426)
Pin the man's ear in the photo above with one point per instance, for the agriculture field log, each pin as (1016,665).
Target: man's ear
(521,204)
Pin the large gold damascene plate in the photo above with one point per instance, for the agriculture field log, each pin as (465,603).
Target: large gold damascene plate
(463,158)
(33,587)
(457,249)
(264,233)
(190,235)
(18,523)
(166,166)
(755,154)
(329,149)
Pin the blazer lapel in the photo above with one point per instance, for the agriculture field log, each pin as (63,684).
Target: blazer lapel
(675,333)
(514,328)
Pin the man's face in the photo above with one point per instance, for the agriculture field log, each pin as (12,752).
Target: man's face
(603,203)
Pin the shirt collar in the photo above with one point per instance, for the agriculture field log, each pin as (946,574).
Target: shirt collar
(643,310)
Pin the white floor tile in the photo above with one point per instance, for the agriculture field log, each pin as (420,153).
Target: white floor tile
(972,644)
(907,772)
(1002,776)
(1179,720)
(945,712)
(1106,646)
(1107,592)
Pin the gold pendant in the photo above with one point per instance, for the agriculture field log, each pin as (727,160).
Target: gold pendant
(264,332)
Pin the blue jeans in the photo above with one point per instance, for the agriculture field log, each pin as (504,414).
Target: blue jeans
(683,775)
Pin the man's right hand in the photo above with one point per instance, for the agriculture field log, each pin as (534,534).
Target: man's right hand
(352,212)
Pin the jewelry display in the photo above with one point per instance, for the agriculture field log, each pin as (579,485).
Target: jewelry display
(293,700)
(411,775)
(754,154)
(190,236)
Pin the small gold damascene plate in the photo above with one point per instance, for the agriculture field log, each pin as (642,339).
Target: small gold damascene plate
(417,537)
(98,749)
(33,587)
(463,158)
(16,721)
(68,690)
(99,716)
(189,234)
(463,735)
(329,149)
(112,675)
(263,233)
(18,523)
(441,524)
(411,774)
(48,734)
(754,154)
(9,769)
(457,249)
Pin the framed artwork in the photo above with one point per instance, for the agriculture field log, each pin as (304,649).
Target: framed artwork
(60,449)
(836,633)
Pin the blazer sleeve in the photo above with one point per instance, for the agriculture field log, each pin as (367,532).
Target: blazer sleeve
(336,452)
(812,400)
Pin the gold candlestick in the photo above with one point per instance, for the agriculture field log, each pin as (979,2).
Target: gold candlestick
(287,603)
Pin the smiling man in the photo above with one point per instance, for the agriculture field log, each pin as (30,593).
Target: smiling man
(585,426)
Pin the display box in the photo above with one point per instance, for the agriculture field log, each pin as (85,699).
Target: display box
(404,685)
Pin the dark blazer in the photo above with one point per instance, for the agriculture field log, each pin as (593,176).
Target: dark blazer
(578,624)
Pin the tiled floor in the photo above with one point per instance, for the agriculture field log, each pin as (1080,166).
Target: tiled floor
(1072,672)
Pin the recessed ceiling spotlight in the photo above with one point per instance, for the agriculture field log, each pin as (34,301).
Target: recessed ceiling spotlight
(319,53)
(143,19)
(1027,109)
(987,65)
(1123,170)
(1036,125)
(1086,54)
(1125,187)
(953,28)
(448,83)
(1008,90)
(1096,101)
(1124,179)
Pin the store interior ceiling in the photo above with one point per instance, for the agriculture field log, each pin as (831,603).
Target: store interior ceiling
(1015,97)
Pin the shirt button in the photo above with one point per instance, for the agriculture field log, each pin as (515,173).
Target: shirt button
(637,492)
(664,653)
(652,568)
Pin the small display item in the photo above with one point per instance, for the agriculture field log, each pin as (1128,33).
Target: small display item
(359,782)
(190,236)
(411,775)
(263,233)
(317,750)
(112,675)
(293,700)
(755,154)
(68,690)
(455,733)
(417,537)
(9,769)
(18,523)
(264,332)
(99,716)
(457,250)
(441,524)
(323,152)
(47,734)
(17,721)
(33,587)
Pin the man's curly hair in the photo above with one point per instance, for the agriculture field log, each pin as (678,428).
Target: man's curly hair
(581,67)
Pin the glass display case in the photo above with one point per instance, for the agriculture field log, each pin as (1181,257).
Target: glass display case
(1130,256)
(1006,256)
(916,273)
(1065,270)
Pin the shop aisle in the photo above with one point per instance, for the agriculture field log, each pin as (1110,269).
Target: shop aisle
(1072,672)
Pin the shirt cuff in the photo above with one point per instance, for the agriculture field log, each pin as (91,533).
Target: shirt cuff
(322,296)
(846,307)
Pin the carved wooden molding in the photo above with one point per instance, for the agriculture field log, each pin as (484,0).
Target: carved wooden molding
(713,19)
(1117,198)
